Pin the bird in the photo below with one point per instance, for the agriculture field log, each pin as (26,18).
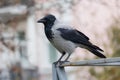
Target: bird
(65,38)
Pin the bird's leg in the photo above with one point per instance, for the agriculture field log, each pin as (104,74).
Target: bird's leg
(67,58)
(59,60)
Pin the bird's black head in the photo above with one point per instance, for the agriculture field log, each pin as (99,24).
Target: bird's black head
(48,20)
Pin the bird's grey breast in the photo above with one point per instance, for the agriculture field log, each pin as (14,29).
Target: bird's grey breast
(61,44)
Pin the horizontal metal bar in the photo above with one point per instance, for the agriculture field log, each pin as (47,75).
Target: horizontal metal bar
(96,62)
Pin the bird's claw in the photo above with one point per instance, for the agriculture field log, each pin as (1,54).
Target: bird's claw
(59,62)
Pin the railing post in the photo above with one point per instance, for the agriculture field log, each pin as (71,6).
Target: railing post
(58,72)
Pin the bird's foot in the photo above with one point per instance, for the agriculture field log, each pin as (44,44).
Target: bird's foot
(57,62)
(60,62)
(63,61)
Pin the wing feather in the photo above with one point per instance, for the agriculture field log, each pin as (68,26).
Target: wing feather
(74,36)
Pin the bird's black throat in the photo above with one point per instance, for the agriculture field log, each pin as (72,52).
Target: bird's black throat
(48,31)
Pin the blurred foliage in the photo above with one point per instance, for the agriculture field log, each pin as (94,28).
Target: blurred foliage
(108,73)
(114,34)
(111,72)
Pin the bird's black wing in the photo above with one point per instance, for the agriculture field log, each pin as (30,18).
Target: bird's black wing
(80,33)
(74,36)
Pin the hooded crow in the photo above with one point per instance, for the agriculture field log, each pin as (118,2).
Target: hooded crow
(65,38)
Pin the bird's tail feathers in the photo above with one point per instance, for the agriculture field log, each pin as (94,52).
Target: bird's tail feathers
(97,48)
(97,53)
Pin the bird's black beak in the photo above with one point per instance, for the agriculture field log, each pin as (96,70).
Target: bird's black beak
(41,21)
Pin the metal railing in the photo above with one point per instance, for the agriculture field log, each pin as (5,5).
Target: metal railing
(58,71)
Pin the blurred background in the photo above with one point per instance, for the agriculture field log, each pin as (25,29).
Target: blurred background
(26,54)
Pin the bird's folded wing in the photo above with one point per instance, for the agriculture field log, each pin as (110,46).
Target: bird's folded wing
(75,36)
